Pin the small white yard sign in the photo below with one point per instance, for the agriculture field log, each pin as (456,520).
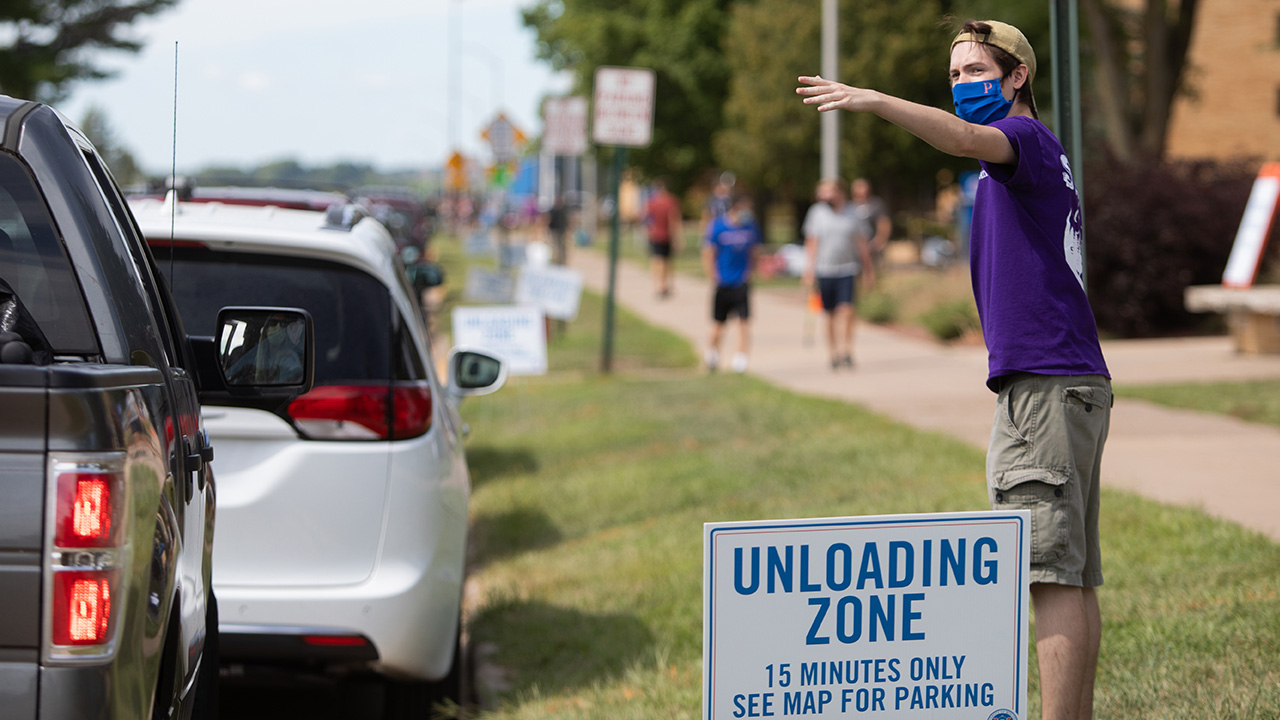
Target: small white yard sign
(517,335)
(555,289)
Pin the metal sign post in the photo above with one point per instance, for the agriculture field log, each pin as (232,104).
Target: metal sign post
(615,177)
(623,118)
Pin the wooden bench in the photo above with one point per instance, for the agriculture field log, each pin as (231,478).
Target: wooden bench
(1253,314)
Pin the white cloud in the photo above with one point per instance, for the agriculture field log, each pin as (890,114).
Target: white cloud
(302,58)
(253,81)
(375,80)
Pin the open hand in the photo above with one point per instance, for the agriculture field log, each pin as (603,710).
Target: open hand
(831,95)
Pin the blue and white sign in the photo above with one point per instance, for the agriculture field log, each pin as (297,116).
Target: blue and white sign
(517,335)
(511,255)
(896,616)
(480,244)
(555,289)
(488,286)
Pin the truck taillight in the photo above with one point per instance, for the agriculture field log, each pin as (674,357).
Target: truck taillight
(86,509)
(85,552)
(82,611)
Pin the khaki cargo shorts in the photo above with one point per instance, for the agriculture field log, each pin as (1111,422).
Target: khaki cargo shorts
(1045,456)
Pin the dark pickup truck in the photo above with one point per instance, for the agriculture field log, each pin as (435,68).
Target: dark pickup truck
(106,490)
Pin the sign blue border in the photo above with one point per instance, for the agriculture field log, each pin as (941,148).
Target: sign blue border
(957,518)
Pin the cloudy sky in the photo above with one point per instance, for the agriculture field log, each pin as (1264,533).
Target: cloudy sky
(320,81)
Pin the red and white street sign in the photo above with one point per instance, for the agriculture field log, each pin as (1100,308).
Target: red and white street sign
(623,106)
(565,125)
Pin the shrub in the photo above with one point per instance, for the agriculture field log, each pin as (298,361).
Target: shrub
(950,320)
(1152,229)
(878,307)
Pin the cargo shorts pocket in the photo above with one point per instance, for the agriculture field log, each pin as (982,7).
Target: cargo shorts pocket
(1043,491)
(1088,397)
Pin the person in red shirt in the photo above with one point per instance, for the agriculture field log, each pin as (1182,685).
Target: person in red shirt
(663,220)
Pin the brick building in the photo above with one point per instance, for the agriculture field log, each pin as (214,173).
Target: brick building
(1234,72)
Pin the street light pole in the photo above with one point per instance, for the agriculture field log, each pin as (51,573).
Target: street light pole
(453,77)
(494,62)
(830,164)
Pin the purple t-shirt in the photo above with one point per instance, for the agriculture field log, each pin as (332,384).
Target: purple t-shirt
(1026,259)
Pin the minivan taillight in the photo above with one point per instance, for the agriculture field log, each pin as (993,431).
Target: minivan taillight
(412,410)
(361,412)
(85,552)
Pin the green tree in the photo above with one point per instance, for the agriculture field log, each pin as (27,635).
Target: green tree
(770,139)
(1139,60)
(50,42)
(118,159)
(679,39)
(285,173)
(900,49)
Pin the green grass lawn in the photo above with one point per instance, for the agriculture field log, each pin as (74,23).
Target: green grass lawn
(1255,400)
(589,499)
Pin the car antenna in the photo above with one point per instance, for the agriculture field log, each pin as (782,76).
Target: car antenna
(171,197)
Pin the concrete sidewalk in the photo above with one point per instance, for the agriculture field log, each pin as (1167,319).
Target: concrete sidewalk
(1224,466)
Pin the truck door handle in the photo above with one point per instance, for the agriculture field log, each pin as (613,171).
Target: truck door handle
(206,455)
(193,462)
(206,449)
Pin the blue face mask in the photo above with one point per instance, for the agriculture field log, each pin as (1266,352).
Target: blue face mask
(980,101)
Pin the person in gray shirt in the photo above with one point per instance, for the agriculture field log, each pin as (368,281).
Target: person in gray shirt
(873,211)
(837,243)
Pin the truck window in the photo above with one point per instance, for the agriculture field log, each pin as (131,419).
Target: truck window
(34,263)
(132,240)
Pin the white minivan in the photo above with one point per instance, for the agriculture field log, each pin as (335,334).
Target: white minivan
(342,514)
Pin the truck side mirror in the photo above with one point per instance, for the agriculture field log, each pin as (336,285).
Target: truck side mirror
(267,350)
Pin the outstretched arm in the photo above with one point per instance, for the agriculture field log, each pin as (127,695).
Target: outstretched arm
(939,128)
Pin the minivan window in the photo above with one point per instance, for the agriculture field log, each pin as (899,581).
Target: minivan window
(34,263)
(351,309)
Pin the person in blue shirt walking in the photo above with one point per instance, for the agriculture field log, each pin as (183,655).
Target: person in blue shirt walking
(729,258)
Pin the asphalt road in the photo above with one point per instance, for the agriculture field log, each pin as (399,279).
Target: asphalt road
(315,699)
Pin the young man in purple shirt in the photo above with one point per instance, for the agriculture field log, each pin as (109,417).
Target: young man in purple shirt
(1045,363)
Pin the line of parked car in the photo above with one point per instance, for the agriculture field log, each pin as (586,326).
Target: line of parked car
(333,539)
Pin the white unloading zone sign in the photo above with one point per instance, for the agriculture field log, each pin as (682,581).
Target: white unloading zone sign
(899,616)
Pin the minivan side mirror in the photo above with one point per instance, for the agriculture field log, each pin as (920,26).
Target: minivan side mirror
(268,351)
(472,372)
